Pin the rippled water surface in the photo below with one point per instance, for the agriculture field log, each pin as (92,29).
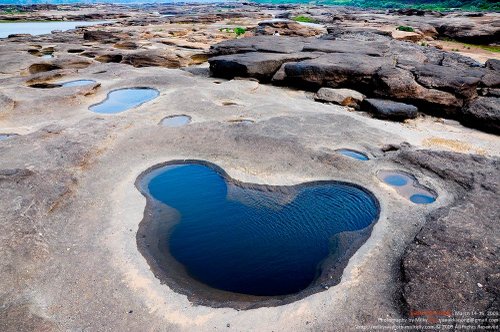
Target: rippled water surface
(124,99)
(248,240)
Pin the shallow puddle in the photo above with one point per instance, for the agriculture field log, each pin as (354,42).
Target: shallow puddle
(353,154)
(176,121)
(69,84)
(210,233)
(77,83)
(407,186)
(4,137)
(124,99)
(242,121)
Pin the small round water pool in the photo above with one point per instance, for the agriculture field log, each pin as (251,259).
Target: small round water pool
(407,186)
(175,121)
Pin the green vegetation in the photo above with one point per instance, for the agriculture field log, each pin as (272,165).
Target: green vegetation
(10,11)
(238,30)
(436,5)
(490,48)
(405,28)
(305,19)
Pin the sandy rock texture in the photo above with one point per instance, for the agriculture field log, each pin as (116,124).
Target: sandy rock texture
(70,210)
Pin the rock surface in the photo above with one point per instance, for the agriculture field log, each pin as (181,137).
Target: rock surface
(437,82)
(390,110)
(483,112)
(286,28)
(344,97)
(451,264)
(69,209)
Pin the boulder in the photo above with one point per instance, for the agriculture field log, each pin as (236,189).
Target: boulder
(253,64)
(270,44)
(345,70)
(407,36)
(344,97)
(468,30)
(389,110)
(438,83)
(483,113)
(126,45)
(347,46)
(493,64)
(460,81)
(399,84)
(152,58)
(100,36)
(286,28)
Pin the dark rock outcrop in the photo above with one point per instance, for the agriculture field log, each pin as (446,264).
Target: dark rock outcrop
(346,70)
(100,36)
(437,82)
(452,264)
(286,28)
(152,59)
(493,64)
(484,113)
(258,65)
(389,110)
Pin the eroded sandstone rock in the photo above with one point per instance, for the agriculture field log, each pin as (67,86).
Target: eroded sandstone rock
(389,110)
(344,97)
(483,112)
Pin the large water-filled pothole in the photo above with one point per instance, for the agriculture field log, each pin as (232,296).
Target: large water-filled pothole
(226,243)
(407,186)
(124,99)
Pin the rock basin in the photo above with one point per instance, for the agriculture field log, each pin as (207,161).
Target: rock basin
(407,186)
(121,100)
(221,241)
(175,121)
(4,137)
(353,154)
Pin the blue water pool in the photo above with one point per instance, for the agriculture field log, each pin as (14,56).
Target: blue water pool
(252,239)
(176,121)
(397,180)
(77,83)
(4,137)
(353,154)
(422,199)
(124,99)
(41,28)
(408,186)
